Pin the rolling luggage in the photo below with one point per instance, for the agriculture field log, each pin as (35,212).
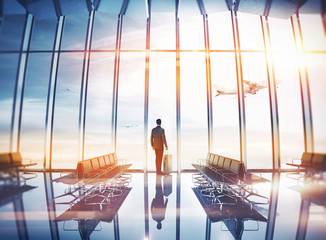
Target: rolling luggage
(167,163)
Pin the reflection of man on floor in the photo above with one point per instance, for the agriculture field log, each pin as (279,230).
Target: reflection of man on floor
(158,206)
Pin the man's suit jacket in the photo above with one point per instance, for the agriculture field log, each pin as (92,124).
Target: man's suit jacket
(158,140)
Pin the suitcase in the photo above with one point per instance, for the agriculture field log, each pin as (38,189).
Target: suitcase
(167,163)
(167,185)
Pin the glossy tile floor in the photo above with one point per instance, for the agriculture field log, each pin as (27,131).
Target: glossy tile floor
(167,207)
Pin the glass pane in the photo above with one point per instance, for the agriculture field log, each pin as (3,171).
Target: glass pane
(282,36)
(12,30)
(66,113)
(192,33)
(99,105)
(193,108)
(105,31)
(133,33)
(317,73)
(225,107)
(74,32)
(314,37)
(220,31)
(8,69)
(34,107)
(162,102)
(163,31)
(130,139)
(288,90)
(259,144)
(43,34)
(250,32)
(289,107)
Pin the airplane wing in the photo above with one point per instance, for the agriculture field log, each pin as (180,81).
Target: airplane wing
(251,84)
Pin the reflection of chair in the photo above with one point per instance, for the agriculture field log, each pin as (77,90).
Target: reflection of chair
(232,215)
(91,210)
(84,227)
(228,177)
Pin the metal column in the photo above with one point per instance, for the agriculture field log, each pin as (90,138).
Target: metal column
(116,84)
(304,85)
(146,100)
(146,206)
(116,227)
(178,208)
(272,211)
(303,220)
(84,85)
(19,85)
(52,87)
(272,93)
(20,217)
(241,102)
(208,228)
(49,194)
(208,84)
(178,88)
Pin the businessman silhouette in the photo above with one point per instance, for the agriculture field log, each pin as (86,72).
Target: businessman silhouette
(158,141)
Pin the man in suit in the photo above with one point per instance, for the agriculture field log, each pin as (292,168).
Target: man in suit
(158,142)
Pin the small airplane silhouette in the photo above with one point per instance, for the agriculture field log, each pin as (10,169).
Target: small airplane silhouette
(250,88)
(129,126)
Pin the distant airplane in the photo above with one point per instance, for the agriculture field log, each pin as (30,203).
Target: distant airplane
(129,126)
(252,88)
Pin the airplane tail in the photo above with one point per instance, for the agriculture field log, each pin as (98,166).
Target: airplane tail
(218,92)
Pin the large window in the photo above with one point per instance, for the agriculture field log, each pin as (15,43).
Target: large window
(288,90)
(98,136)
(130,134)
(257,107)
(66,112)
(194,139)
(8,69)
(130,69)
(162,101)
(34,107)
(225,107)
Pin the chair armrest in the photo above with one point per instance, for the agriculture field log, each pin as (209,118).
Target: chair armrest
(29,160)
(295,159)
(229,173)
(123,160)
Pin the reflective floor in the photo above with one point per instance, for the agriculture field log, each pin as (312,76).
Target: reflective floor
(163,207)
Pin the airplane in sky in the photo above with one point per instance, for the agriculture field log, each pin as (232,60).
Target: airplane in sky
(249,88)
(129,126)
